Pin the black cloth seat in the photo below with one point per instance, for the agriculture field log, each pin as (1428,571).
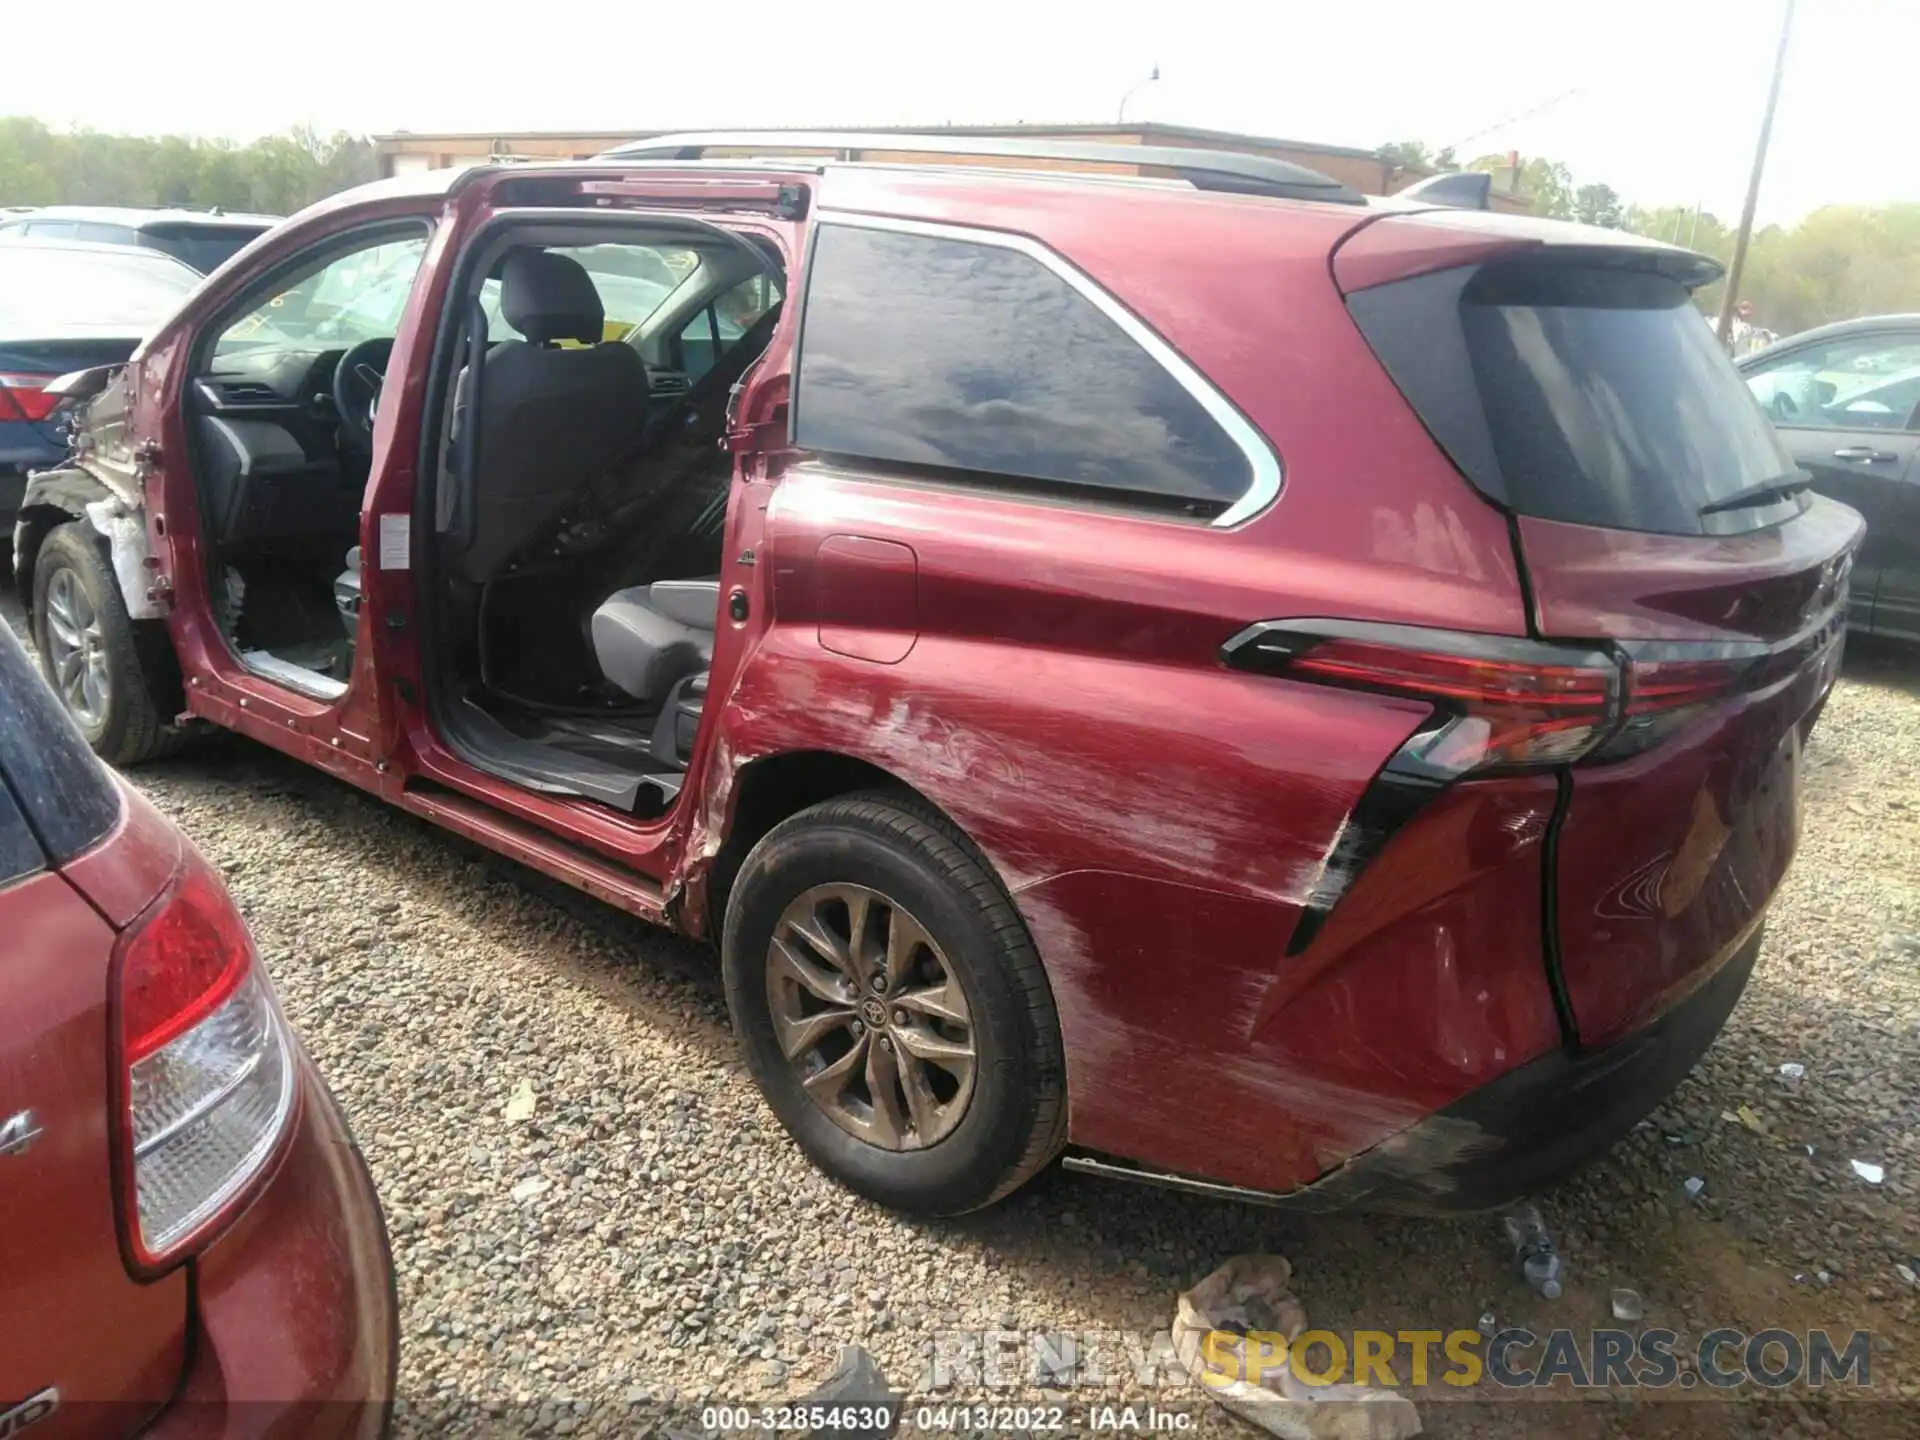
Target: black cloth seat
(551,421)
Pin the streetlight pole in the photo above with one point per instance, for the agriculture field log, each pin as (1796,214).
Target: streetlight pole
(1732,296)
(1134,89)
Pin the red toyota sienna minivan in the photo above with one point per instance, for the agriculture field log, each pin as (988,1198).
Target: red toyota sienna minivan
(190,1241)
(1244,685)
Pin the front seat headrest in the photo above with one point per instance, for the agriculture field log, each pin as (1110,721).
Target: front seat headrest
(548,297)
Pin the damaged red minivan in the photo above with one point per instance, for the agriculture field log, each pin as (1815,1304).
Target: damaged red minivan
(1256,689)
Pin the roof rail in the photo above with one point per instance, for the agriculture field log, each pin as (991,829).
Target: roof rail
(1224,170)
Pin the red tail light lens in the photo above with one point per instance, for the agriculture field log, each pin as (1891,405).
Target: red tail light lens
(1514,704)
(24,397)
(204,1065)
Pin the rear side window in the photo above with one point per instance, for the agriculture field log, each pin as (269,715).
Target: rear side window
(1592,396)
(58,796)
(969,356)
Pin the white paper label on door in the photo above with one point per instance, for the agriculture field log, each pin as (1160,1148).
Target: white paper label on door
(396,541)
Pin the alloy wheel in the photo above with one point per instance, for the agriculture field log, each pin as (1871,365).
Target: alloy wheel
(869,1013)
(76,649)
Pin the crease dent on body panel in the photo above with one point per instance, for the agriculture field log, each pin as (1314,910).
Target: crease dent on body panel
(125,532)
(685,901)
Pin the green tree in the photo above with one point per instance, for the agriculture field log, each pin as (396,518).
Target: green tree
(275,175)
(1415,155)
(1599,205)
(1546,184)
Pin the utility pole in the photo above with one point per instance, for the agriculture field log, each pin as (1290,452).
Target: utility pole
(1732,296)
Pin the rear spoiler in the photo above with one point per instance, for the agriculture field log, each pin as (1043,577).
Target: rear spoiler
(1462,190)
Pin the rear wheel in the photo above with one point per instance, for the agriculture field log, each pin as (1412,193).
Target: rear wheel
(893,1010)
(89,652)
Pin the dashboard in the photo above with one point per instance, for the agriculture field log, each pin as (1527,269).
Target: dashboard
(270,464)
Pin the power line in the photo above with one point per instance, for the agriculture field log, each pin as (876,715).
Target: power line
(1516,119)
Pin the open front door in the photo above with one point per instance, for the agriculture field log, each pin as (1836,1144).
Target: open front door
(557,566)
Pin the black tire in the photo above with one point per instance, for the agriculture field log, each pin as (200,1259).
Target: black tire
(131,726)
(1015,1121)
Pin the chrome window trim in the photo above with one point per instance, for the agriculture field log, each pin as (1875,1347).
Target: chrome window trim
(1263,463)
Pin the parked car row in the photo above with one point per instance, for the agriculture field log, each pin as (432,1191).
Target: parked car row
(1237,736)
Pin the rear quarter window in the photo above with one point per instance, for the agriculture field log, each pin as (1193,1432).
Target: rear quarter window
(1587,395)
(965,356)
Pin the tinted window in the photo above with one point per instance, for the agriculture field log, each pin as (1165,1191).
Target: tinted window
(1867,382)
(95,233)
(1590,396)
(50,775)
(967,356)
(205,247)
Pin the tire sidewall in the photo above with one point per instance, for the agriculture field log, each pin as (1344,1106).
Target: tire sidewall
(963,1170)
(60,552)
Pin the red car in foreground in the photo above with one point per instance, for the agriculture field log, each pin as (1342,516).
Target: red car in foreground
(1259,690)
(192,1246)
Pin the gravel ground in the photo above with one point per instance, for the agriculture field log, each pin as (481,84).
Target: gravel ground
(649,1234)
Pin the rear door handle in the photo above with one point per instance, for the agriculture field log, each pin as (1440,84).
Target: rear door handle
(1863,454)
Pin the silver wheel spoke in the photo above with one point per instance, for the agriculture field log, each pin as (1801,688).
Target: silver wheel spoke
(942,1002)
(831,1083)
(824,984)
(883,1078)
(823,942)
(905,939)
(921,1103)
(798,1036)
(949,1055)
(857,902)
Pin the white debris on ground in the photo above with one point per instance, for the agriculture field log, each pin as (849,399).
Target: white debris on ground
(1224,1332)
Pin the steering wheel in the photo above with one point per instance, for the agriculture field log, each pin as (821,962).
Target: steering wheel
(1783,406)
(356,389)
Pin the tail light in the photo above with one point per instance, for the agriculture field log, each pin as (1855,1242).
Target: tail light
(24,397)
(203,1066)
(1501,706)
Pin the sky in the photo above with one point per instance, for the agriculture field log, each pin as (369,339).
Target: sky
(1659,98)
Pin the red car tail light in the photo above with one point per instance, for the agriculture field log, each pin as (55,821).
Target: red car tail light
(24,397)
(1502,704)
(203,1064)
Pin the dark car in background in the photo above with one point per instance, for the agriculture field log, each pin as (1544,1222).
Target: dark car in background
(1846,401)
(193,1244)
(66,307)
(203,239)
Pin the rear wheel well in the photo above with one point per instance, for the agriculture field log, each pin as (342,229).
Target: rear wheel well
(36,522)
(768,791)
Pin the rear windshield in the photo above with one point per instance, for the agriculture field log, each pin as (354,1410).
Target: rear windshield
(205,247)
(1597,397)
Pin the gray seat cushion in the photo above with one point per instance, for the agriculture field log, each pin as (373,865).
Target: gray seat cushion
(645,650)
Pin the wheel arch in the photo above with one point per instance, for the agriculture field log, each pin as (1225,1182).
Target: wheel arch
(52,498)
(767,790)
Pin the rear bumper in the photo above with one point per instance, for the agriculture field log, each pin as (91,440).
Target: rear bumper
(295,1326)
(1537,1123)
